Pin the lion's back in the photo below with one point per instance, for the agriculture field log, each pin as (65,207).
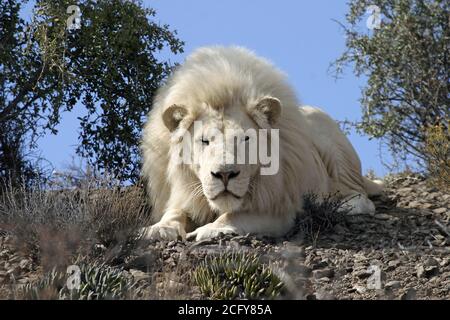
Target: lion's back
(337,153)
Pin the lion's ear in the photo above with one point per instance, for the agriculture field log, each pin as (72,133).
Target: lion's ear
(173,115)
(266,111)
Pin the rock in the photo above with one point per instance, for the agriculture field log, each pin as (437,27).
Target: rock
(405,191)
(427,272)
(325,295)
(420,271)
(304,270)
(394,263)
(414,204)
(170,285)
(393,284)
(427,206)
(440,210)
(320,265)
(360,289)
(311,297)
(323,273)
(324,279)
(362,274)
(171,243)
(383,216)
(431,271)
(433,196)
(143,261)
(139,275)
(431,262)
(445,262)
(409,294)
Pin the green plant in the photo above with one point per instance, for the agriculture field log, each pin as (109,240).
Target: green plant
(101,282)
(405,60)
(97,282)
(112,66)
(237,275)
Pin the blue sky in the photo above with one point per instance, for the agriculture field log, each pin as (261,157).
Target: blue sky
(300,37)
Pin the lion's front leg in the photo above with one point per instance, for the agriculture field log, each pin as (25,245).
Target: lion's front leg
(242,223)
(213,229)
(171,227)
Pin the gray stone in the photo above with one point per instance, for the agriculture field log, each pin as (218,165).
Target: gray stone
(393,284)
(323,273)
(320,265)
(431,262)
(139,275)
(409,294)
(360,289)
(427,272)
(363,274)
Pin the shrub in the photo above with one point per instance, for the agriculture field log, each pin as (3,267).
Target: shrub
(405,60)
(437,149)
(237,275)
(58,225)
(319,215)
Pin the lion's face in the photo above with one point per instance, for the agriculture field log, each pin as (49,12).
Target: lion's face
(224,148)
(222,144)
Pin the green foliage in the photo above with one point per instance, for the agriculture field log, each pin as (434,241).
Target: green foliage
(111,65)
(100,282)
(407,63)
(97,282)
(237,275)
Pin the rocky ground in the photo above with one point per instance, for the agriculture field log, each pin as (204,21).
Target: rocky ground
(402,252)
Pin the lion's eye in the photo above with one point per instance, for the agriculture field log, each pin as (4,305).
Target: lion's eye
(205,142)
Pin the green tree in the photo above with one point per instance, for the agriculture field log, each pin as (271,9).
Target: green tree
(111,65)
(406,61)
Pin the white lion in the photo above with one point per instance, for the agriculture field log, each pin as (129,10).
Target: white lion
(229,89)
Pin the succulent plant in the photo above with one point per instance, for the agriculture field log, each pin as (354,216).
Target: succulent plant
(237,276)
(97,282)
(101,282)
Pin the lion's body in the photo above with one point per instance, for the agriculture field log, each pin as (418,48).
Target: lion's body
(315,156)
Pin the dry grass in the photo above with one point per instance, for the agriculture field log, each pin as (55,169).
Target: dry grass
(320,215)
(63,223)
(437,149)
(58,225)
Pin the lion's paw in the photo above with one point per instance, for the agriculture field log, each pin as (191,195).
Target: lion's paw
(209,231)
(161,231)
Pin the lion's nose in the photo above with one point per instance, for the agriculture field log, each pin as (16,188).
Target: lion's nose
(225,176)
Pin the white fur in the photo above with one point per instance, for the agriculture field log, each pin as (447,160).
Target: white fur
(224,87)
